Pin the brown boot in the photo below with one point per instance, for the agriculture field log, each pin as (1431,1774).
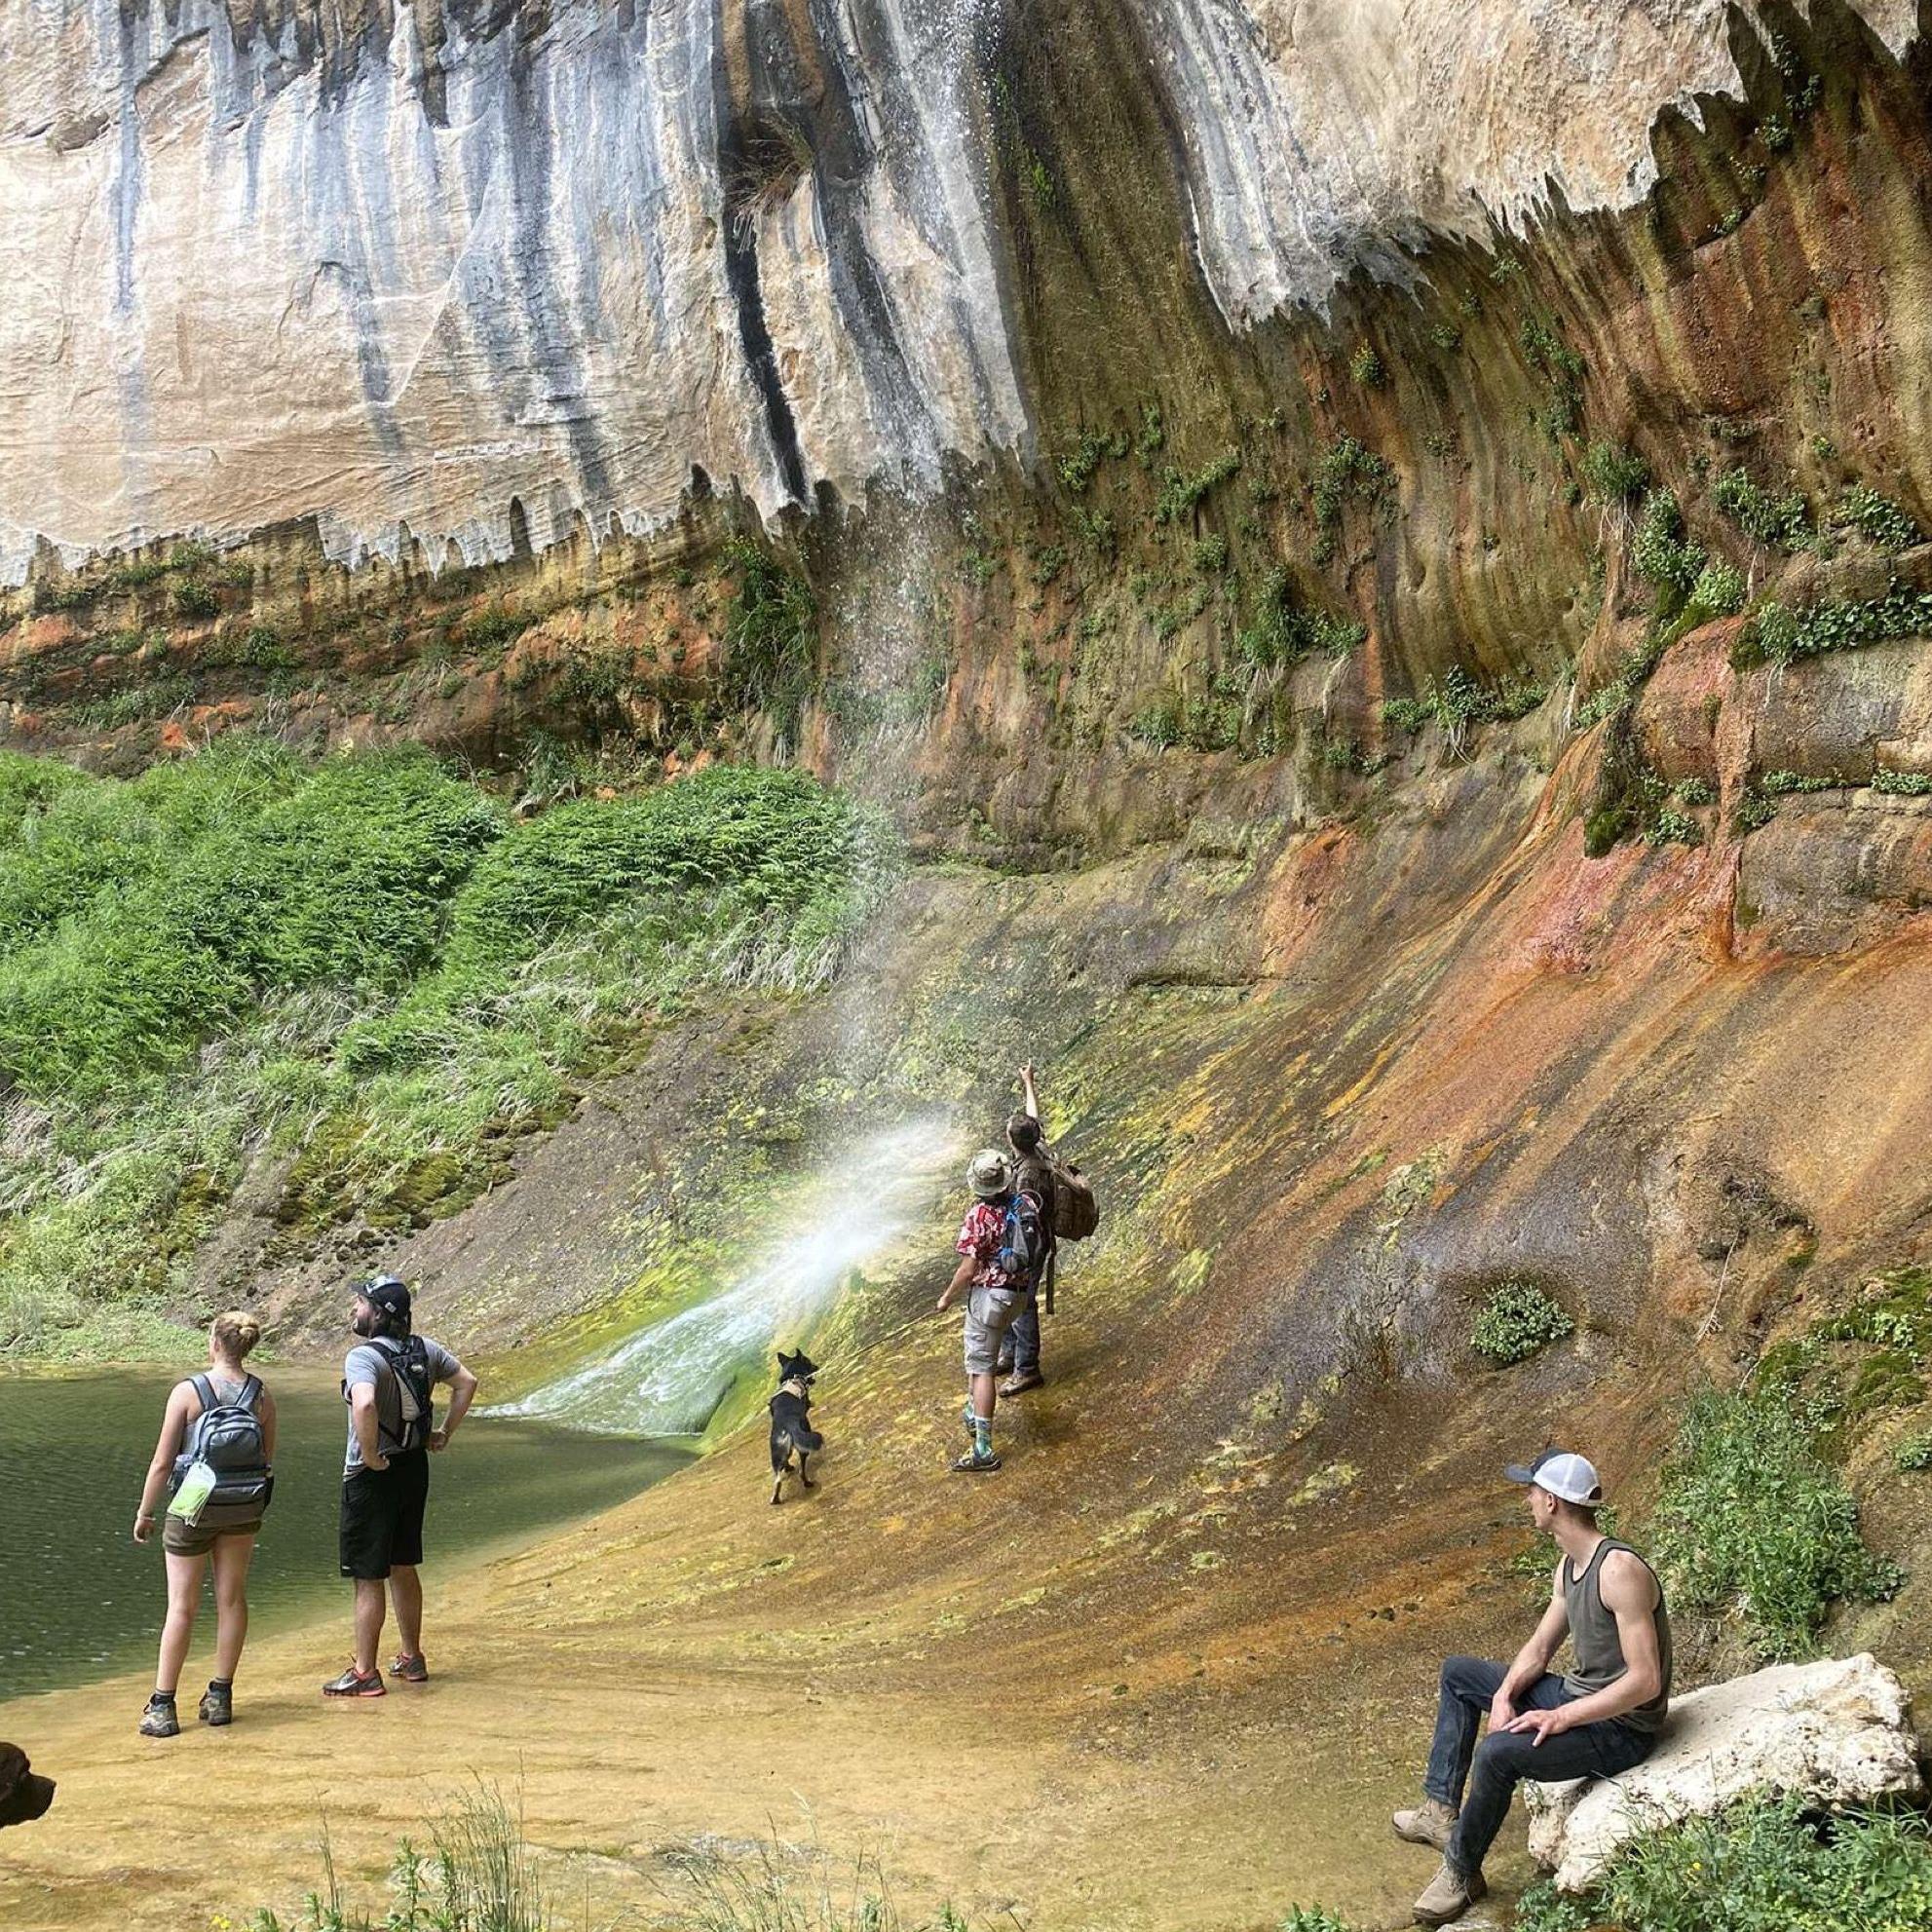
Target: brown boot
(1431,1824)
(1450,1895)
(1021,1381)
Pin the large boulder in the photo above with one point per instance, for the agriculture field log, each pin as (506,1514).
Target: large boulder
(1838,1731)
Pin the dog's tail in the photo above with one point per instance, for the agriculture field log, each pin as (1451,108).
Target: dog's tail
(808,1440)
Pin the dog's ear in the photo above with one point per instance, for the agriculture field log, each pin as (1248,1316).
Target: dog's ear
(787,1365)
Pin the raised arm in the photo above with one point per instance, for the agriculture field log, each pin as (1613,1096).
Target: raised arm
(1027,1088)
(167,1446)
(1630,1594)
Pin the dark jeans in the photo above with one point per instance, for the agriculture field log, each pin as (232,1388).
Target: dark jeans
(1504,1759)
(1025,1336)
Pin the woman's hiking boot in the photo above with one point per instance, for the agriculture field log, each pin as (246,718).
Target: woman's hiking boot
(1022,1380)
(972,1463)
(412,1670)
(1431,1823)
(1450,1895)
(218,1705)
(353,1684)
(159,1719)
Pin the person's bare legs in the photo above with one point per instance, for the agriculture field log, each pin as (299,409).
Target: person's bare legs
(368,1623)
(232,1557)
(184,1596)
(406,1592)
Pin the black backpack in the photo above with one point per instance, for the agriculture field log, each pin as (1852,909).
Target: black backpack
(1024,1241)
(229,1437)
(411,1366)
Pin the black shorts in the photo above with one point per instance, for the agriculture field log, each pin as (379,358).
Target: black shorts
(382,1515)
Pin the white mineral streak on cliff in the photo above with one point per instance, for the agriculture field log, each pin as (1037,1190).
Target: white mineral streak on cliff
(242,288)
(395,288)
(1320,134)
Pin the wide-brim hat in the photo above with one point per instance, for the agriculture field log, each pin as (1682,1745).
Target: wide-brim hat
(988,1175)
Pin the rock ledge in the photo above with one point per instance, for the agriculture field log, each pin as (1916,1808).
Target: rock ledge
(1838,1731)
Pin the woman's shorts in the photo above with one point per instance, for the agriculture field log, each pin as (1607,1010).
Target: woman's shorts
(990,1313)
(179,1538)
(382,1515)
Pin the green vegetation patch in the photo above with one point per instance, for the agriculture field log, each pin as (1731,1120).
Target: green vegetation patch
(1750,1524)
(1180,493)
(1766,1865)
(1615,475)
(1876,518)
(1778,635)
(771,636)
(1518,1320)
(366,964)
(1777,521)
(1456,701)
(1348,470)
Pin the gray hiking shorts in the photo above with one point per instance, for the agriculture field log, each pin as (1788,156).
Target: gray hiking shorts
(990,1313)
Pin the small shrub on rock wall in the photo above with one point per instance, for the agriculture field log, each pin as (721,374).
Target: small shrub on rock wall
(1663,553)
(1750,1523)
(1876,518)
(1615,475)
(1516,1322)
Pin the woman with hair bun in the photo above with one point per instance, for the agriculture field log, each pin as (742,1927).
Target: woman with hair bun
(212,1461)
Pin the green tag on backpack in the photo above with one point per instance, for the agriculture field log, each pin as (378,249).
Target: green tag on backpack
(197,1486)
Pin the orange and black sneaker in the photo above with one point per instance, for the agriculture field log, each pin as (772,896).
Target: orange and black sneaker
(411,1670)
(353,1684)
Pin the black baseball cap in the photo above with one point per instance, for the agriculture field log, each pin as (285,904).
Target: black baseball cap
(386,1292)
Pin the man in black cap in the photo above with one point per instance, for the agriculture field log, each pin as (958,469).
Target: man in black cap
(388,1381)
(1600,1718)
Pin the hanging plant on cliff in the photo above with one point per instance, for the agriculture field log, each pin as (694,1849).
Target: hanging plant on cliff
(770,633)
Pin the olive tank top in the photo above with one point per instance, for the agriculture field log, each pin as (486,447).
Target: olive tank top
(1599,1652)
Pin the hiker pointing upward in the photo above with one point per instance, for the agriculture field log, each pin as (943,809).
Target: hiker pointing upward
(1033,1174)
(1601,1719)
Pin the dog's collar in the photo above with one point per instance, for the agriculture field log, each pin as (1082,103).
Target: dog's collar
(792,1385)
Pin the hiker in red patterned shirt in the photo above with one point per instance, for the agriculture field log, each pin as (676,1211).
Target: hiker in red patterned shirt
(1001,1244)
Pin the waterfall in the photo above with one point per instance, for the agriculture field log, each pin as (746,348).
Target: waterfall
(669,1378)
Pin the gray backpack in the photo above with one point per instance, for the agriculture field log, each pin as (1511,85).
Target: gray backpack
(229,1437)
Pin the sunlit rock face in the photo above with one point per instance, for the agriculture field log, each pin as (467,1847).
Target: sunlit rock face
(400,273)
(465,274)
(1324,134)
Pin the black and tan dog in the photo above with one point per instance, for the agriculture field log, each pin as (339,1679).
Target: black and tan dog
(792,1423)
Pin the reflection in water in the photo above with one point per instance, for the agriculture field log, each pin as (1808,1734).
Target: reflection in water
(669,1378)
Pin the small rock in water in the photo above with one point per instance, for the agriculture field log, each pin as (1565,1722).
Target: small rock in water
(1838,1731)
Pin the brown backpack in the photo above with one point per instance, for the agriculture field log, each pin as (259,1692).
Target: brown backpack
(1076,1212)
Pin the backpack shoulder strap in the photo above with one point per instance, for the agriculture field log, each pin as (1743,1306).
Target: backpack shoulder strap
(251,1395)
(204,1391)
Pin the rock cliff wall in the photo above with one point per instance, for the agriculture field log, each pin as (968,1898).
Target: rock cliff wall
(483,275)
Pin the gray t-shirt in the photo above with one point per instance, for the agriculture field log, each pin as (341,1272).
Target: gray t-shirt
(373,1362)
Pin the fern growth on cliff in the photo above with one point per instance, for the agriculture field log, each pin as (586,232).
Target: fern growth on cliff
(367,965)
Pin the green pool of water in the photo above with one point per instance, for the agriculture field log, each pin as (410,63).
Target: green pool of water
(80,1598)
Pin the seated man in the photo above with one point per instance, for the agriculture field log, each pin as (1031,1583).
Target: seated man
(1599,1720)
